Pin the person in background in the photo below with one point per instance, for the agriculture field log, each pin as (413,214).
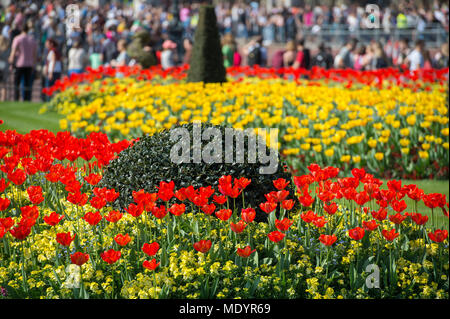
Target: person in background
(323,59)
(187,45)
(4,66)
(427,63)
(256,53)
(303,57)
(415,59)
(122,59)
(168,57)
(77,59)
(53,65)
(289,55)
(359,58)
(379,59)
(23,58)
(228,49)
(441,58)
(343,59)
(401,52)
(108,50)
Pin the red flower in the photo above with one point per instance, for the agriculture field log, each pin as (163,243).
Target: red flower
(150,249)
(248,214)
(21,231)
(93,179)
(380,215)
(159,212)
(434,200)
(113,216)
(280,183)
(7,222)
(208,209)
(203,246)
(2,231)
(177,209)
(77,198)
(122,240)
(18,177)
(97,202)
(320,222)
(79,258)
(284,224)
(356,233)
(306,200)
(245,252)
(419,219)
(165,190)
(399,206)
(397,218)
(221,199)
(330,208)
(65,239)
(370,225)
(135,210)
(389,235)
(30,212)
(53,219)
(438,236)
(111,256)
(359,173)
(308,217)
(362,198)
(224,214)
(268,207)
(238,227)
(3,185)
(92,218)
(242,182)
(276,236)
(327,240)
(287,204)
(150,265)
(35,194)
(4,203)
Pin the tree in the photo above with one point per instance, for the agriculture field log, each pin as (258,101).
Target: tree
(207,59)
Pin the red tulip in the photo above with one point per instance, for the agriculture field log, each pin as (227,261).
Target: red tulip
(438,236)
(308,217)
(327,240)
(238,227)
(208,209)
(203,246)
(2,231)
(220,199)
(111,256)
(79,258)
(159,212)
(248,214)
(150,265)
(399,206)
(122,240)
(165,190)
(370,225)
(150,249)
(330,208)
(35,194)
(92,218)
(284,224)
(276,236)
(356,233)
(224,214)
(4,203)
(65,239)
(21,231)
(242,182)
(114,216)
(177,209)
(280,183)
(268,207)
(53,219)
(397,218)
(320,221)
(419,219)
(287,204)
(390,235)
(306,200)
(93,179)
(245,252)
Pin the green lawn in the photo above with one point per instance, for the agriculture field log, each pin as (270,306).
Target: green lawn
(24,117)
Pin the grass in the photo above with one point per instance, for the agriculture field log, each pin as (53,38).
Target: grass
(24,117)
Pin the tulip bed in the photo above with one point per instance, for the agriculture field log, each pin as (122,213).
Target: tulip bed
(60,239)
(392,123)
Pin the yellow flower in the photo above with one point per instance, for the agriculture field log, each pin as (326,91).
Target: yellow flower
(356,159)
(345,158)
(423,154)
(379,156)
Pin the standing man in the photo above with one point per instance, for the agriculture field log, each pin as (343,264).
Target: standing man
(23,57)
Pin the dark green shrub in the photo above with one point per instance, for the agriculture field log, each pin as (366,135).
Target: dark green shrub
(207,59)
(148,162)
(136,50)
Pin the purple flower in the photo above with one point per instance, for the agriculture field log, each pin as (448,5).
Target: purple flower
(3,292)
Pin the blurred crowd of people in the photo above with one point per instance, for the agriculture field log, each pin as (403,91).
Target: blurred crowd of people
(39,41)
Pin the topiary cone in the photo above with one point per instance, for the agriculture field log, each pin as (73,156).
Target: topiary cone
(207,59)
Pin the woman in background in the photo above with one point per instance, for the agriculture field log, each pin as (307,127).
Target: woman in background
(77,59)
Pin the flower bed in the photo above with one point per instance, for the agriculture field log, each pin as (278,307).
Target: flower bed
(60,239)
(393,124)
